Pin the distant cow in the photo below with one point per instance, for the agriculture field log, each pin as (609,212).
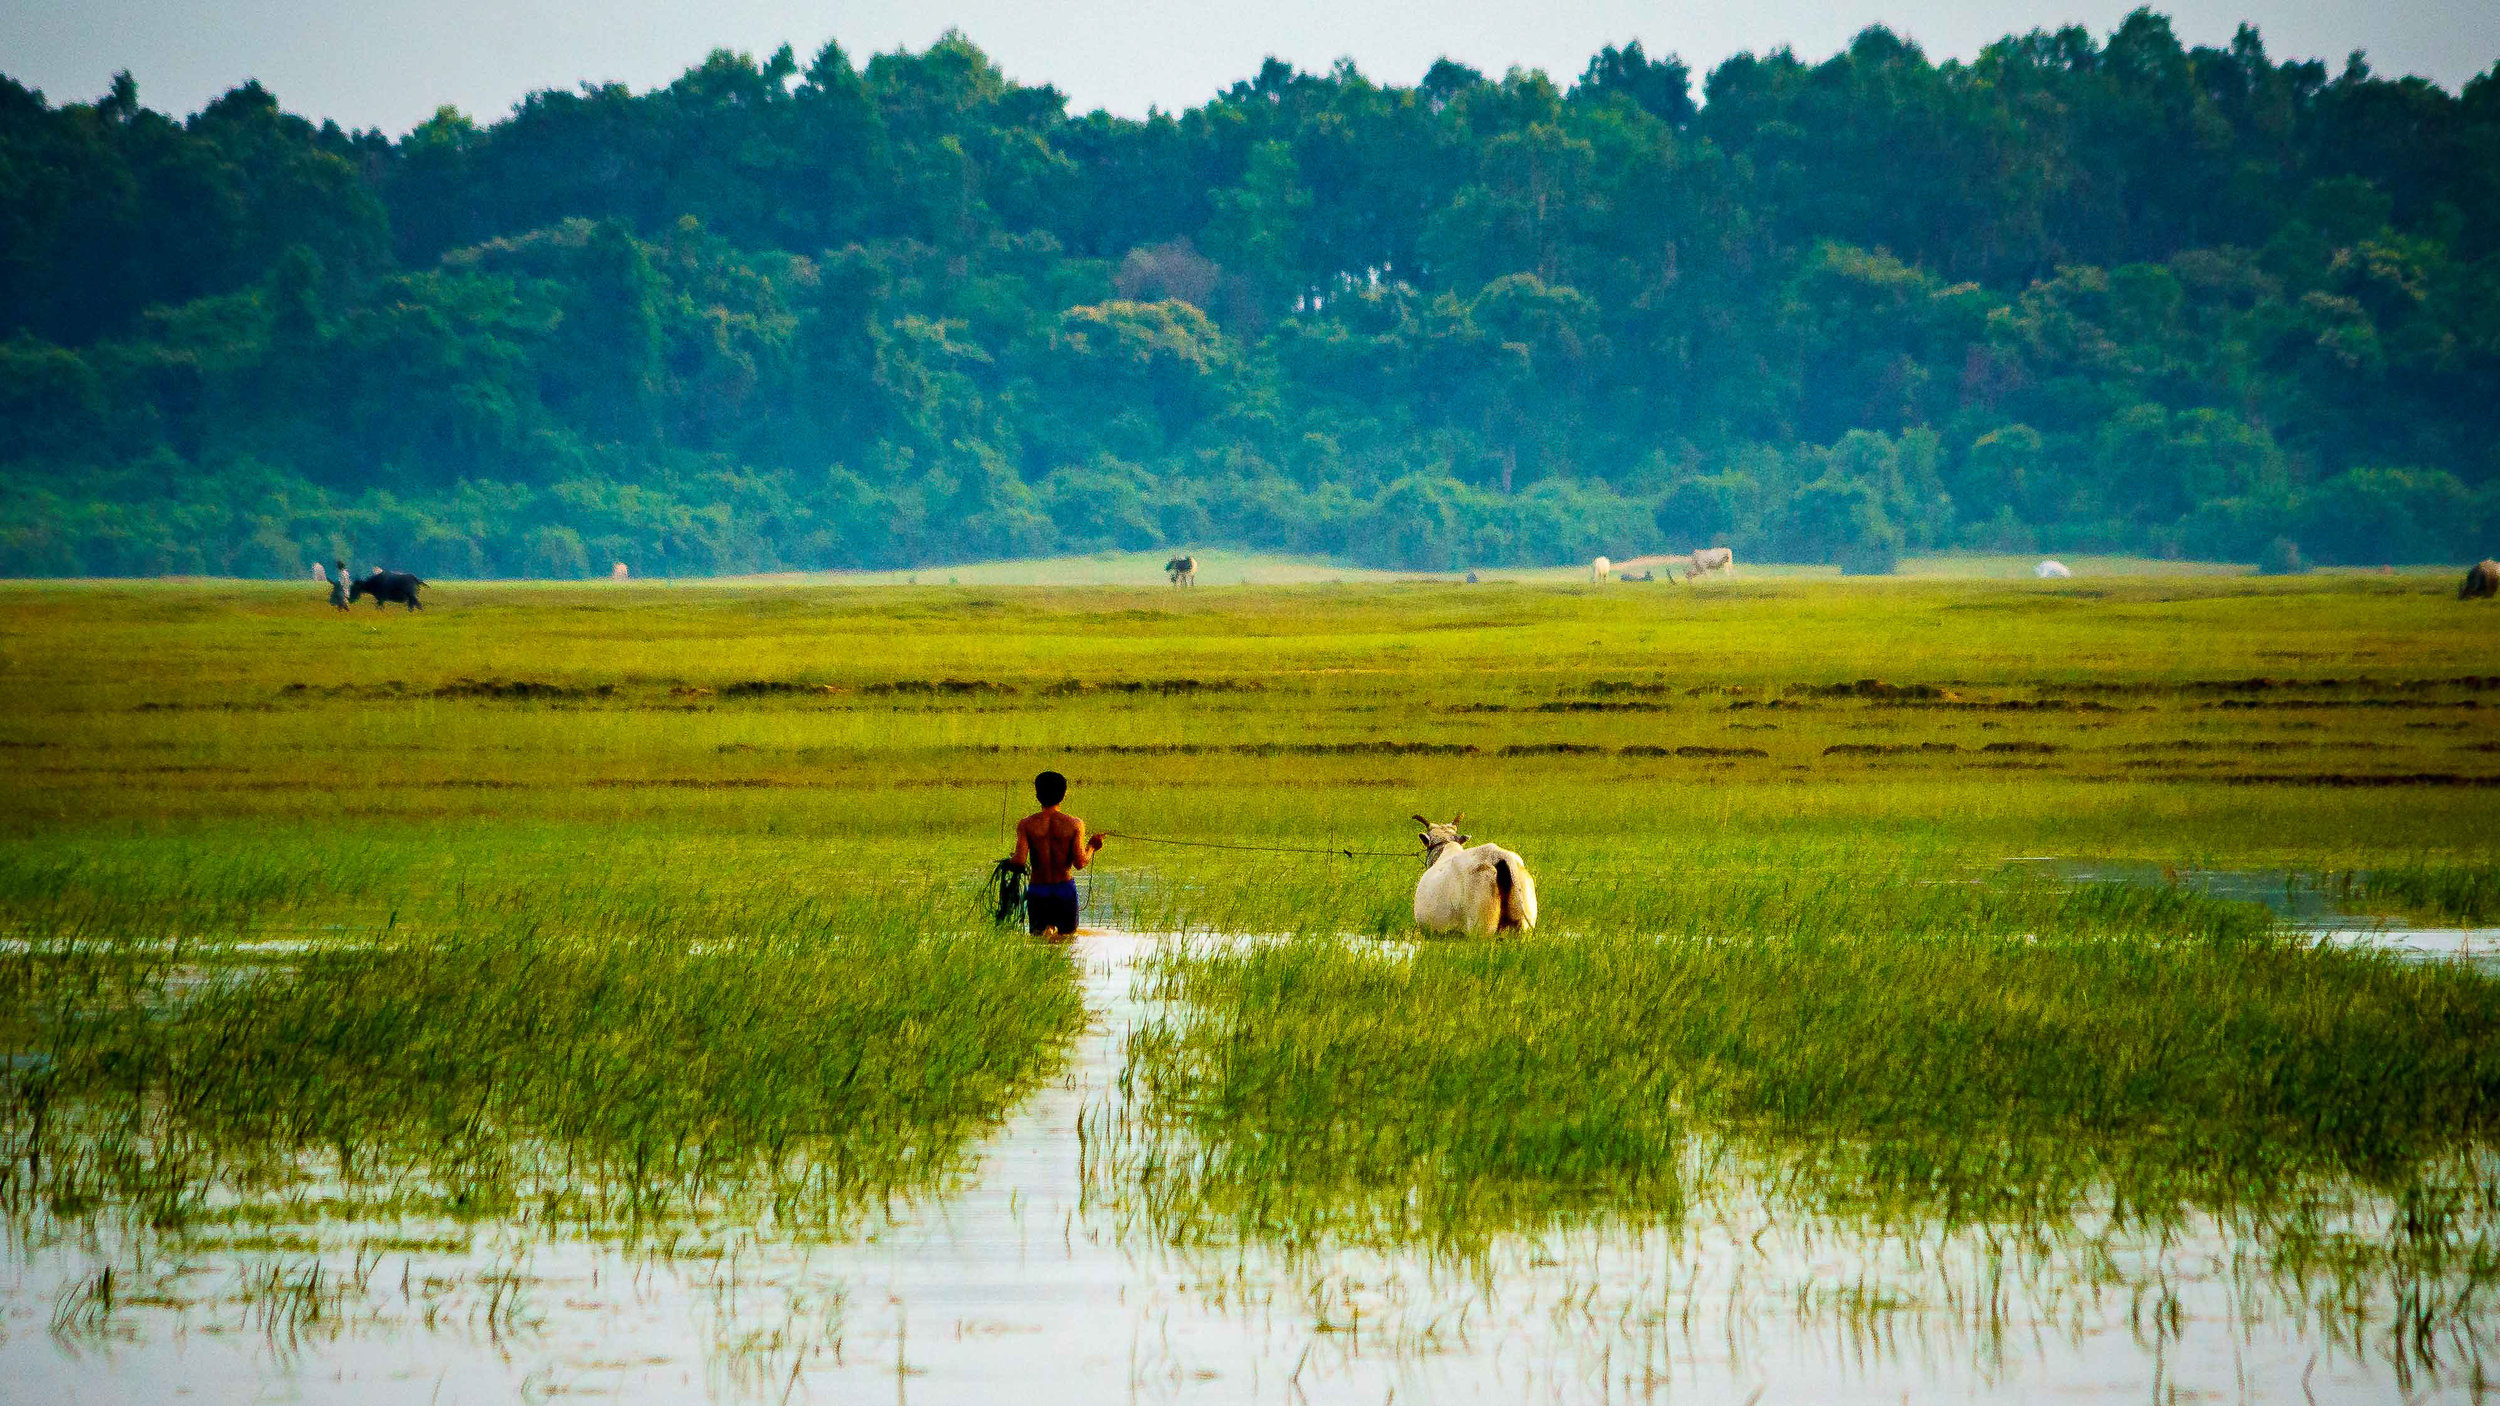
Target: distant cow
(2482,581)
(1705,560)
(386,587)
(1182,570)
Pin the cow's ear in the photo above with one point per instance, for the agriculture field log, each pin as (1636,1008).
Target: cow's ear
(1465,838)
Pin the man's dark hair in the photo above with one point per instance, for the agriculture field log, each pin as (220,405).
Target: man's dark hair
(1050,788)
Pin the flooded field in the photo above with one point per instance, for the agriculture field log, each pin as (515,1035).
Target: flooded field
(577,992)
(2316,905)
(1046,1275)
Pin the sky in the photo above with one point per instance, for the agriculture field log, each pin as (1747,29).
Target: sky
(368,64)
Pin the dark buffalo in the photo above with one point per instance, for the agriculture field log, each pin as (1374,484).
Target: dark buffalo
(2482,581)
(386,587)
(1182,570)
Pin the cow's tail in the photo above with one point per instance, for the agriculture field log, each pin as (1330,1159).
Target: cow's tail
(1506,888)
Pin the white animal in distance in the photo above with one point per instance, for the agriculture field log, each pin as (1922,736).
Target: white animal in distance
(2051,571)
(1478,891)
(1705,560)
(1701,561)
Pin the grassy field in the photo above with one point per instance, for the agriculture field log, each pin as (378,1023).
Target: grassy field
(498,908)
(2335,723)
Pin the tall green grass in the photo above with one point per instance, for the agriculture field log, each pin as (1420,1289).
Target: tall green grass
(2155,1055)
(2465,892)
(547,1054)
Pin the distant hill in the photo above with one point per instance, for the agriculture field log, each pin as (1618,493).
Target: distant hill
(2081,294)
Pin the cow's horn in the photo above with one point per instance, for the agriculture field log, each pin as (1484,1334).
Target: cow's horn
(1423,822)
(1462,815)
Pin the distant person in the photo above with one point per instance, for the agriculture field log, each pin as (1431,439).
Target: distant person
(338,585)
(1054,846)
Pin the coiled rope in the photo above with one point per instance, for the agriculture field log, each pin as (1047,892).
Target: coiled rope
(1006,892)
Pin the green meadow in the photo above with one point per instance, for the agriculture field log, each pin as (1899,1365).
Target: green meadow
(624,906)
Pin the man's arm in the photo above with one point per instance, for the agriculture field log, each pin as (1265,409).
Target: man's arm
(1084,854)
(1024,848)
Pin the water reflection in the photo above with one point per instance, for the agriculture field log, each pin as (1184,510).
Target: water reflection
(1052,1275)
(2140,1259)
(2318,905)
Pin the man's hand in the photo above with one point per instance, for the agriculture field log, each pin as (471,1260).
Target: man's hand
(1093,844)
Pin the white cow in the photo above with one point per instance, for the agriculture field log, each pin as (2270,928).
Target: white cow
(1705,560)
(1476,891)
(2052,571)
(1698,562)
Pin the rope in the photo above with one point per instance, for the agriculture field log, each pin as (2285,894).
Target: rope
(1006,892)
(1260,849)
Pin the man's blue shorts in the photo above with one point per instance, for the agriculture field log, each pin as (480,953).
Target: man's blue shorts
(1048,906)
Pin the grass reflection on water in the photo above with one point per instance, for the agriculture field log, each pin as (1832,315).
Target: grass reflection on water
(2055,1110)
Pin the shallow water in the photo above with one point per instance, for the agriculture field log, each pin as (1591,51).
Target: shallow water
(2302,902)
(1025,1286)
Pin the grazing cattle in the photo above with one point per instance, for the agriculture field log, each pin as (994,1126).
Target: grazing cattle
(1476,891)
(2482,581)
(1182,570)
(1705,560)
(1699,562)
(386,587)
(2052,571)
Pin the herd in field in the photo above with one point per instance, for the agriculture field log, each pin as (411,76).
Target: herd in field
(2482,580)
(1701,561)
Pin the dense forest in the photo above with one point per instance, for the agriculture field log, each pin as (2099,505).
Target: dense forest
(2076,294)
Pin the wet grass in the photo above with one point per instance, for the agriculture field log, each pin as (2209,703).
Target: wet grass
(548,1054)
(1966,1106)
(2466,893)
(1991,1064)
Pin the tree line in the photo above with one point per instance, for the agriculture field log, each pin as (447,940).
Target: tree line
(2075,294)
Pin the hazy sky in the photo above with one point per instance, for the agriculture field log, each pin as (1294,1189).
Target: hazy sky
(389,65)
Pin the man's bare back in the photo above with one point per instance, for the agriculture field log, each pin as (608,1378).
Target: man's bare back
(1053,844)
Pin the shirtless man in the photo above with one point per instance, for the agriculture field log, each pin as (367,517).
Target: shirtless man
(1054,845)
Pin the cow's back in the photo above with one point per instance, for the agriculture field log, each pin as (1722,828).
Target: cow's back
(1463,892)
